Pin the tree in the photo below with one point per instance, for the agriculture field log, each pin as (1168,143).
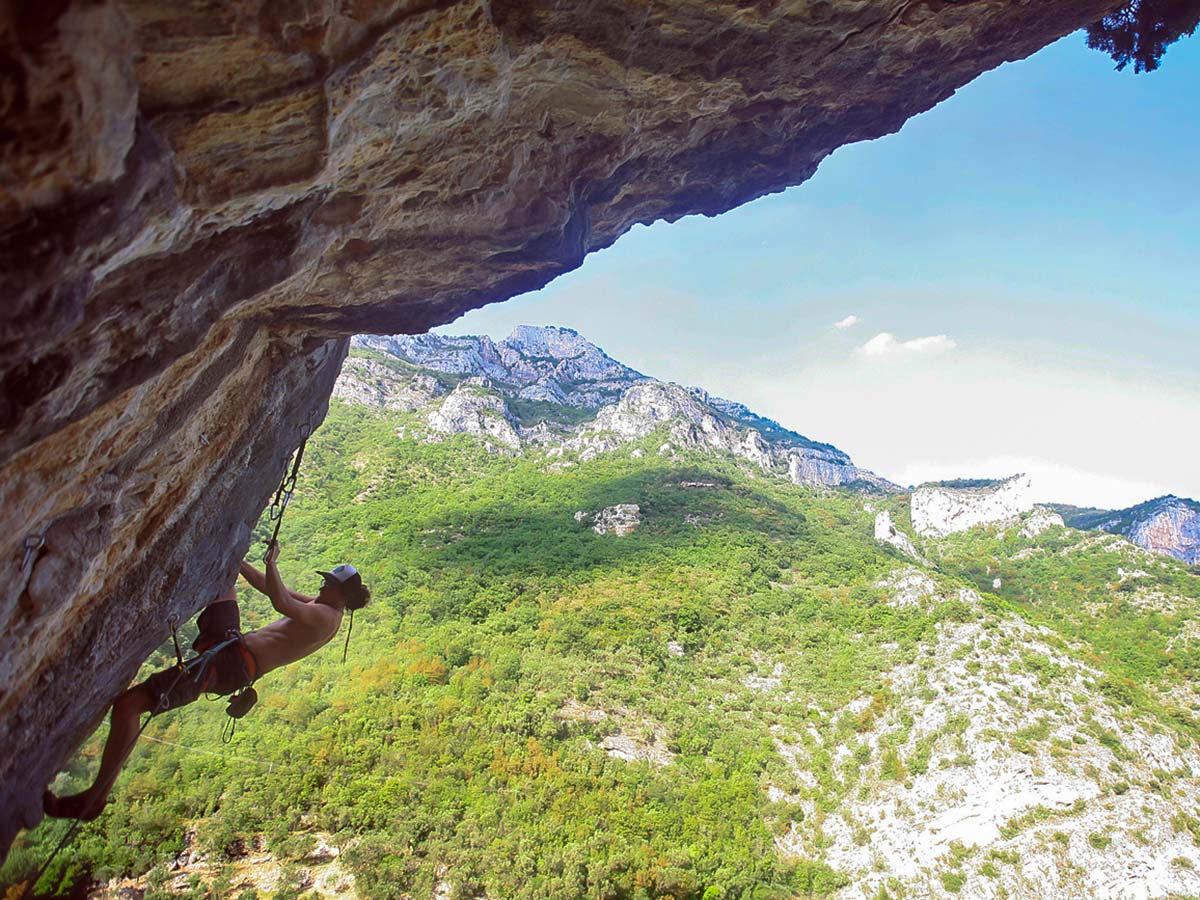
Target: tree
(1141,32)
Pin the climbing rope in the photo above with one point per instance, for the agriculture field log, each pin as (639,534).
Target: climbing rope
(270,767)
(283,496)
(29,885)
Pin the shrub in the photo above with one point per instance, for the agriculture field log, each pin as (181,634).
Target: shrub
(953,881)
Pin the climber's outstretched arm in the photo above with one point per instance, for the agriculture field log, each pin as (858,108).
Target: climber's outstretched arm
(257,579)
(284,601)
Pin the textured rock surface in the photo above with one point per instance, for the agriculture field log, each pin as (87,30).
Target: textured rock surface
(886,532)
(1040,520)
(552,364)
(198,201)
(471,409)
(693,422)
(368,382)
(909,587)
(1168,525)
(621,519)
(260,870)
(1172,527)
(938,510)
(988,792)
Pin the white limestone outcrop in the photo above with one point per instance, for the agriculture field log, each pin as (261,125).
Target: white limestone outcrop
(1040,520)
(694,420)
(369,382)
(546,363)
(909,587)
(1013,785)
(942,509)
(886,532)
(472,409)
(620,519)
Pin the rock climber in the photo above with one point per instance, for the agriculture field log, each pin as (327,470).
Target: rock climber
(228,661)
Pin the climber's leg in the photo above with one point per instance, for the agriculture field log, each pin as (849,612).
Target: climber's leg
(122,734)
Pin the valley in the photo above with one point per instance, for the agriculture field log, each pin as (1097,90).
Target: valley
(629,641)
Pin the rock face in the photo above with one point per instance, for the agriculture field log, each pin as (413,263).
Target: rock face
(1040,520)
(941,509)
(555,365)
(696,421)
(367,382)
(987,793)
(1171,526)
(470,409)
(886,532)
(1168,525)
(621,519)
(198,205)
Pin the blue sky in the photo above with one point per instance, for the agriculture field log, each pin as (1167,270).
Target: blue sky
(1020,261)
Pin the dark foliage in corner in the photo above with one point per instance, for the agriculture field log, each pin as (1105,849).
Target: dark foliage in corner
(1141,32)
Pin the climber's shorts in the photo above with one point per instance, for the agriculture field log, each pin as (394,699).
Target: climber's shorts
(217,670)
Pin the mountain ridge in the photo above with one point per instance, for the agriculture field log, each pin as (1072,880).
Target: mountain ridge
(537,373)
(548,387)
(1168,524)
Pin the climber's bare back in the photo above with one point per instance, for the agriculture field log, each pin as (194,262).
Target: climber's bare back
(287,640)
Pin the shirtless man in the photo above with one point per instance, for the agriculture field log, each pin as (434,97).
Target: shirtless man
(228,661)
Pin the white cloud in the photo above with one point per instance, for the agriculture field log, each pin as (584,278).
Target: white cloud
(935,343)
(847,322)
(885,342)
(1071,427)
(879,345)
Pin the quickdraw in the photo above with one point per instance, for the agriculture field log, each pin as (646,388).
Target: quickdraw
(283,496)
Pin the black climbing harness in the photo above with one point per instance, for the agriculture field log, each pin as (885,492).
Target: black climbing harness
(240,701)
(283,496)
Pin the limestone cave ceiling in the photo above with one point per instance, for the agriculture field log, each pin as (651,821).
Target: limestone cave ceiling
(200,201)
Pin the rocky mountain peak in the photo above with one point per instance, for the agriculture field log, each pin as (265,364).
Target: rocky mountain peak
(544,363)
(550,340)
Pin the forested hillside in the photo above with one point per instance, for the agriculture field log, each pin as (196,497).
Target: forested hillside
(745,696)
